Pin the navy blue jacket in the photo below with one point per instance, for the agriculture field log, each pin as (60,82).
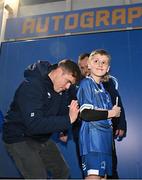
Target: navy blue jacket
(37,110)
(119,122)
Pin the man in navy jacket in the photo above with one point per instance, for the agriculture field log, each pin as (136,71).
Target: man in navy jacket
(39,108)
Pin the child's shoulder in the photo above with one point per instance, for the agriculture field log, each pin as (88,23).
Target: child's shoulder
(85,81)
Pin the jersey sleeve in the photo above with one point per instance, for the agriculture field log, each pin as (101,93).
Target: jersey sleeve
(84,95)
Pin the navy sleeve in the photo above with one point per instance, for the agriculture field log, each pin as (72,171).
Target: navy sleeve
(30,99)
(120,122)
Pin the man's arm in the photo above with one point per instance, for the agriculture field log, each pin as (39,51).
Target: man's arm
(119,123)
(31,102)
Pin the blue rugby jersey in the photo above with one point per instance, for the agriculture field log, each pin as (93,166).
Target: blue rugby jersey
(95,136)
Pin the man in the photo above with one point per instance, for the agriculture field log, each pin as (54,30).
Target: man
(119,124)
(83,65)
(40,107)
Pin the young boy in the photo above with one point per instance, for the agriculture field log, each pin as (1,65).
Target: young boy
(95,104)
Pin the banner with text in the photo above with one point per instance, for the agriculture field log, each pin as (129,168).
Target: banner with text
(75,22)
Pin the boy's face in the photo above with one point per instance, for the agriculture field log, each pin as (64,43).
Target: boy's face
(99,65)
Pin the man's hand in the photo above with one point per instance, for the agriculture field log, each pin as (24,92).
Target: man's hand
(63,137)
(73,111)
(119,132)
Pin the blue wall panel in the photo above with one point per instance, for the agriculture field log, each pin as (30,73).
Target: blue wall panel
(126,50)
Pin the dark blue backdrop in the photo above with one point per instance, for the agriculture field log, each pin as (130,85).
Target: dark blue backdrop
(126,50)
